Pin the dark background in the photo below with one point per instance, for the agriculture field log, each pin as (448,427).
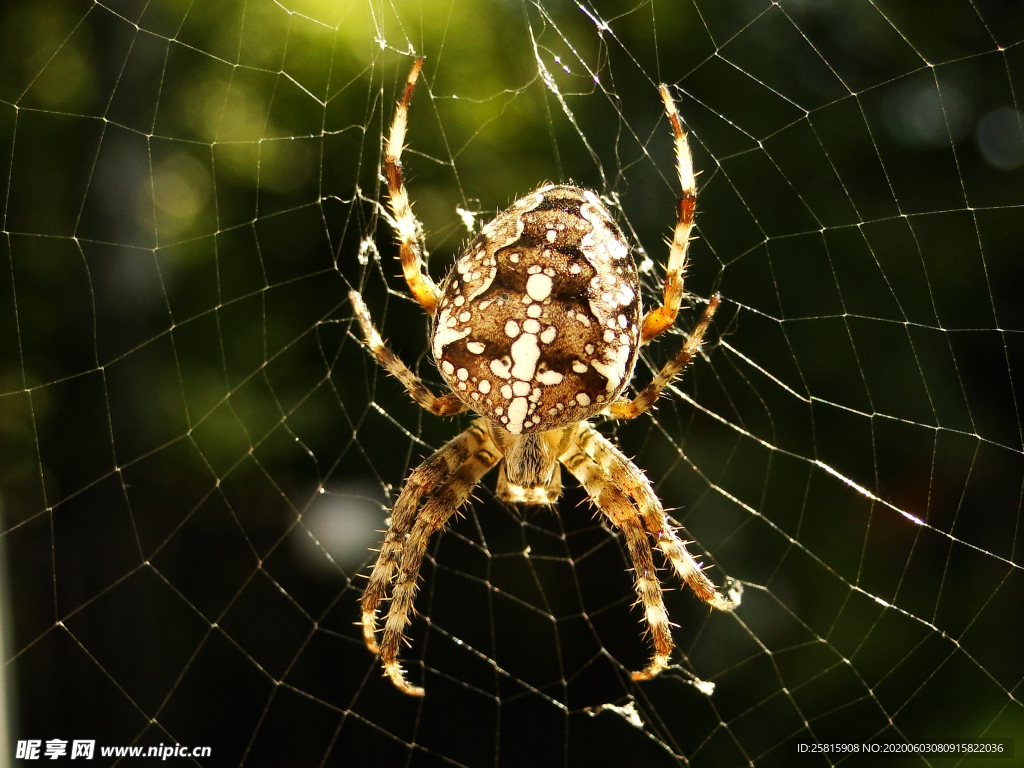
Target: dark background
(195,455)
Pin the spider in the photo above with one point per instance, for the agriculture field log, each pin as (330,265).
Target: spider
(536,328)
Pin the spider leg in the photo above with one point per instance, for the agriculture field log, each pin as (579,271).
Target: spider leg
(616,506)
(636,485)
(435,490)
(624,495)
(407,228)
(444,405)
(660,319)
(630,409)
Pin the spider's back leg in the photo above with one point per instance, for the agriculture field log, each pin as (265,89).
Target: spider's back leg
(407,229)
(661,318)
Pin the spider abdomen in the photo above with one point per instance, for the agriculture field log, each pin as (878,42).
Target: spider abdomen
(538,323)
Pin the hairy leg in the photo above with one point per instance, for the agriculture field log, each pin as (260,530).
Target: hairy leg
(444,405)
(407,228)
(630,409)
(661,318)
(625,496)
(433,492)
(636,485)
(616,505)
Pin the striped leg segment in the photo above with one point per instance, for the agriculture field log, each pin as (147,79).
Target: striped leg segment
(444,405)
(408,230)
(630,409)
(435,490)
(625,495)
(617,507)
(660,319)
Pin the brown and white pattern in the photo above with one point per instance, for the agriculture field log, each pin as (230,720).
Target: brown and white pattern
(537,328)
(538,323)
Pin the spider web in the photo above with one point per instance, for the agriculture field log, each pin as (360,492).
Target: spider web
(196,455)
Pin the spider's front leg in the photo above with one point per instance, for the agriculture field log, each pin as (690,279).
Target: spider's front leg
(636,485)
(434,491)
(625,496)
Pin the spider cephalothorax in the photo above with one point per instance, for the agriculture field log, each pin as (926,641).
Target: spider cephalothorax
(536,328)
